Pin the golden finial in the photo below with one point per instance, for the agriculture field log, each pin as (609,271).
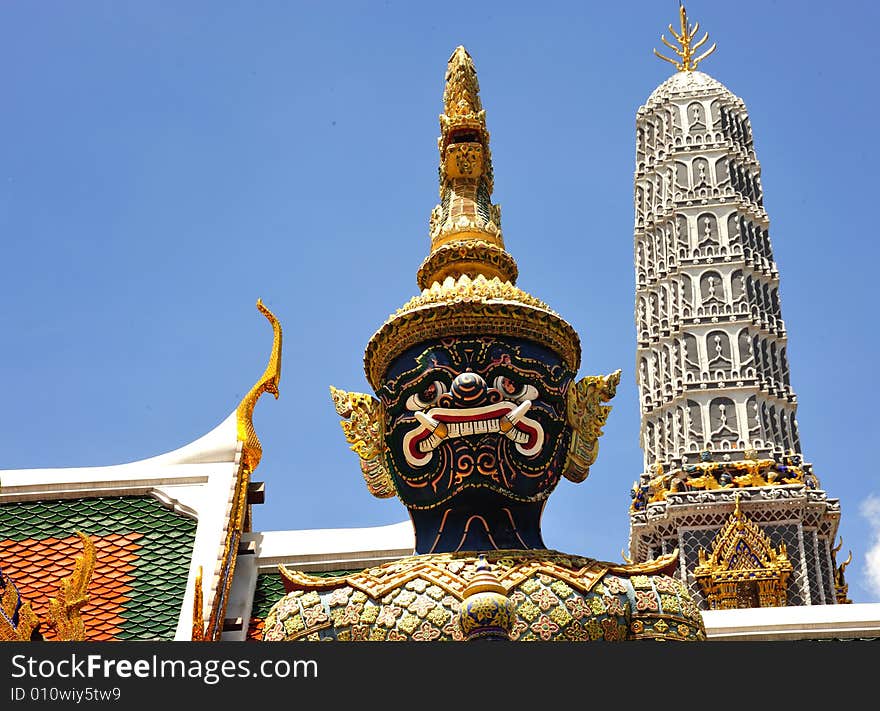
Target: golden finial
(461,96)
(252,450)
(465,227)
(688,47)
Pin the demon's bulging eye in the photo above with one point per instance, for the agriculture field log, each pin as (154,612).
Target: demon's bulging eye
(426,397)
(513,391)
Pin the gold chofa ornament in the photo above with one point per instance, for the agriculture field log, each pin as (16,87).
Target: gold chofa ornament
(252,450)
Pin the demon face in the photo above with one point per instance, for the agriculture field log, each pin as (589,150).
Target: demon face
(475,413)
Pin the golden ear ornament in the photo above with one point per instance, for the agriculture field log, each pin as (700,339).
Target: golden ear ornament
(587,415)
(364,428)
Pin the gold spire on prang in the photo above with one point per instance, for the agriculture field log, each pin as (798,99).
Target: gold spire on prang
(687,47)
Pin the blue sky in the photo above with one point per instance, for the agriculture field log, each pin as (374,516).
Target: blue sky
(164,164)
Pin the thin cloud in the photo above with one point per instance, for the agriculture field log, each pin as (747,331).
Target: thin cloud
(870,509)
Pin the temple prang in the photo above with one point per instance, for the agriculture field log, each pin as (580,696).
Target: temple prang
(718,410)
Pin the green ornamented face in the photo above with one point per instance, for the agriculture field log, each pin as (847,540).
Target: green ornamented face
(482,414)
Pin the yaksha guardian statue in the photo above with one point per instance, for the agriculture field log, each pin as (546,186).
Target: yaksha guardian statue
(477,416)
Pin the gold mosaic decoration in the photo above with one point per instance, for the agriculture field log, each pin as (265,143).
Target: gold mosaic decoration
(551,596)
(27,618)
(467,307)
(743,570)
(473,256)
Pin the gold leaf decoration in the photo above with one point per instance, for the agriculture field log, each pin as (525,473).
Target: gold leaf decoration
(17,618)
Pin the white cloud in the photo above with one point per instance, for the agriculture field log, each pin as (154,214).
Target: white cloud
(870,509)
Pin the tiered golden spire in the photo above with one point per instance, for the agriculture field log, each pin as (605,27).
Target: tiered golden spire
(465,227)
(687,47)
(468,279)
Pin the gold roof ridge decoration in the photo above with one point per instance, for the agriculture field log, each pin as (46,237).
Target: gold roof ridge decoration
(467,281)
(63,611)
(687,47)
(841,588)
(743,570)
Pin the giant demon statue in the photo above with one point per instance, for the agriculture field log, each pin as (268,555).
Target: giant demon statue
(477,416)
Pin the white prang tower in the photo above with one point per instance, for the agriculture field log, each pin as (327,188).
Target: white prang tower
(724,481)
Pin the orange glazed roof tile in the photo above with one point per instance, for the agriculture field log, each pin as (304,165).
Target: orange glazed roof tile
(143,552)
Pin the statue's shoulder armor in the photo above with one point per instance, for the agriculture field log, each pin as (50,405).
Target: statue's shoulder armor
(553,595)
(661,606)
(665,564)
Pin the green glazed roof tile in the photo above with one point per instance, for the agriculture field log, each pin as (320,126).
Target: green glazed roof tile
(163,550)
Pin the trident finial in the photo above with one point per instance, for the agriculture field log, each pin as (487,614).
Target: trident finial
(688,47)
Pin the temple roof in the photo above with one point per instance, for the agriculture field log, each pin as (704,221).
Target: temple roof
(142,557)
(163,517)
(155,526)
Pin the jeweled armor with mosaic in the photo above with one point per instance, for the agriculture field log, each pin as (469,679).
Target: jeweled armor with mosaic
(477,416)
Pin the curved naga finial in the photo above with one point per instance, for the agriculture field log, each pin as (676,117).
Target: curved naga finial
(586,416)
(364,428)
(252,451)
(64,610)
